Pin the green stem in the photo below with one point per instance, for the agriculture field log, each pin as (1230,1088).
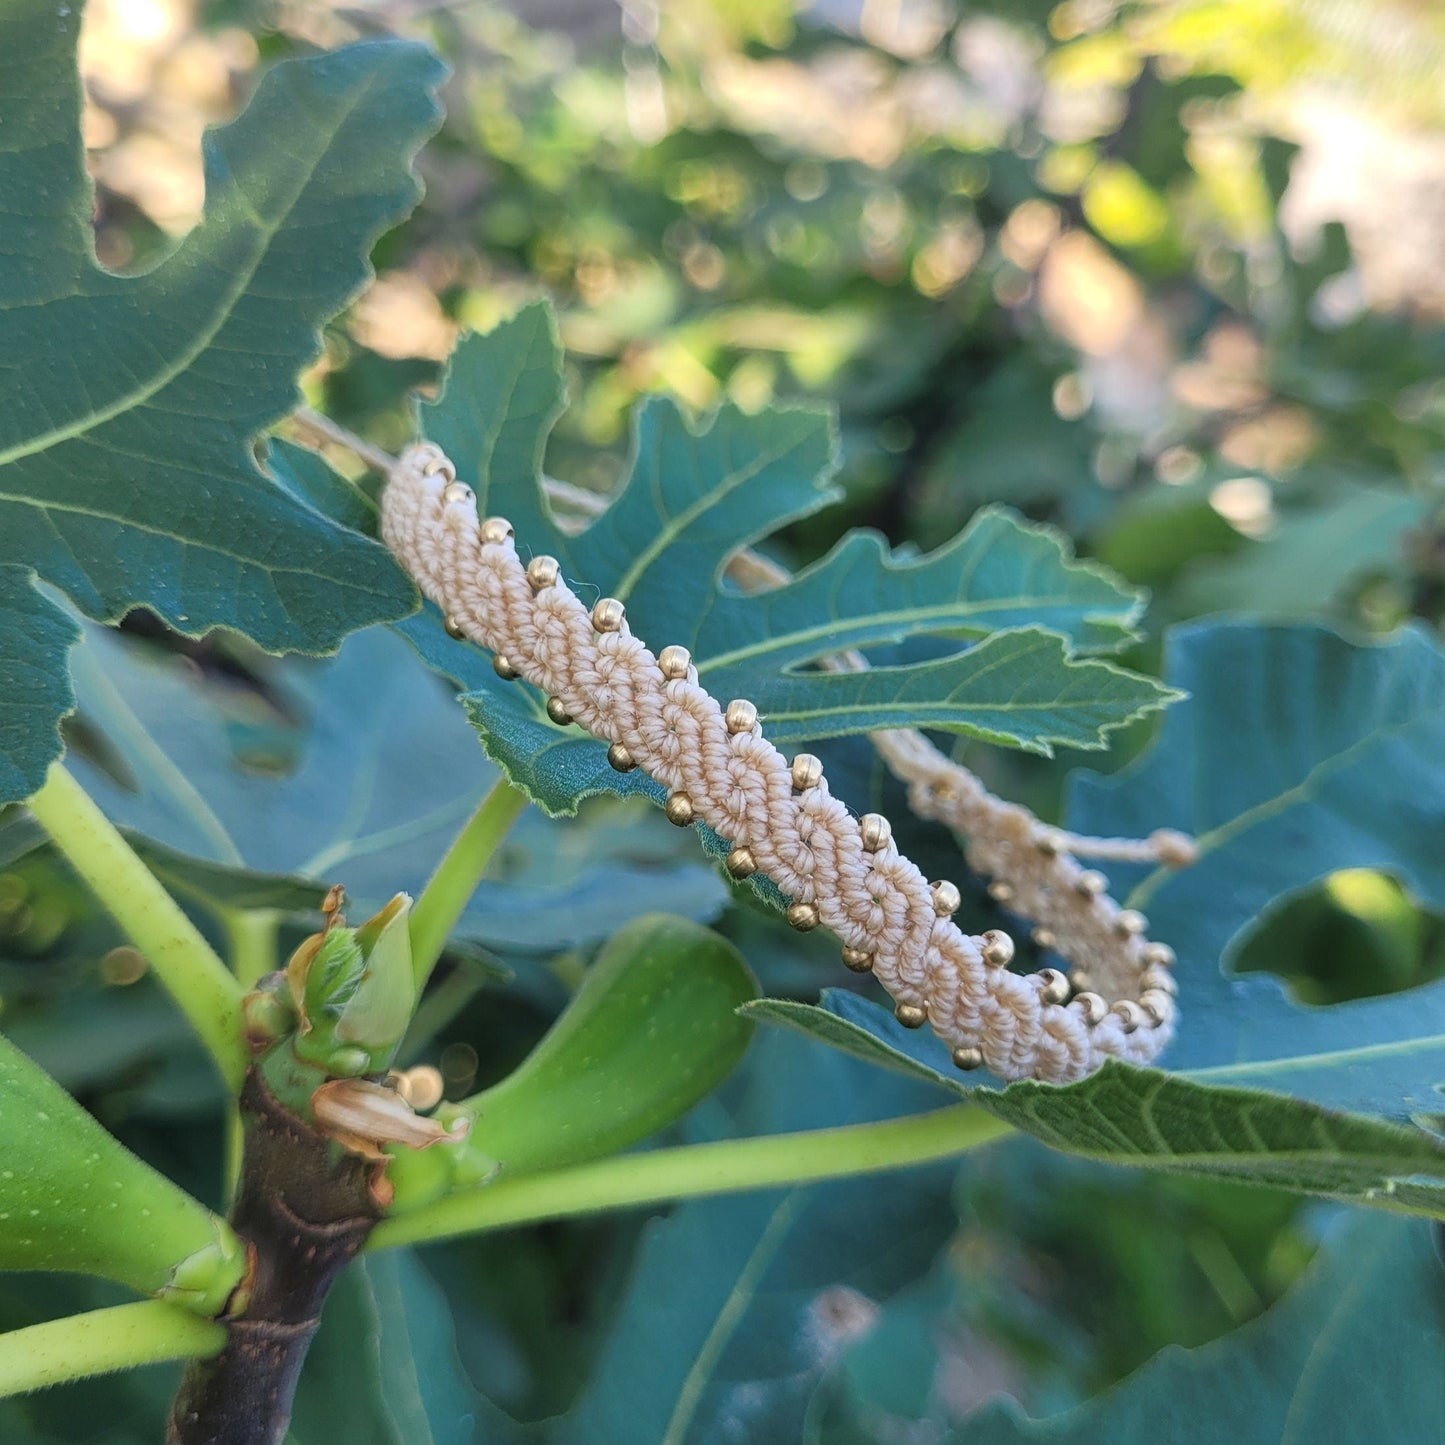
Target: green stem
(103,1341)
(727,1167)
(439,1008)
(445,897)
(252,934)
(188,966)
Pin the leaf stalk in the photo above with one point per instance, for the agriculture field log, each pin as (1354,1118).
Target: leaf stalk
(193,974)
(103,1341)
(729,1166)
(450,888)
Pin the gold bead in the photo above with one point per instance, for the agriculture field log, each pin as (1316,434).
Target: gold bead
(679,809)
(1044,938)
(557,712)
(674,662)
(620,757)
(1048,845)
(504,669)
(1157,1004)
(437,463)
(1159,955)
(496,530)
(947,900)
(458,492)
(421,1087)
(1092,1007)
(807,772)
(1053,986)
(1080,981)
(455,629)
(998,948)
(1090,883)
(1160,980)
(874,831)
(607,615)
(741,863)
(741,716)
(1000,891)
(543,572)
(858,959)
(1130,1014)
(968,1059)
(911,1015)
(1130,923)
(1173,848)
(803,916)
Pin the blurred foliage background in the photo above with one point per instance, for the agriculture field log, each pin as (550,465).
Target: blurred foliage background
(1164,273)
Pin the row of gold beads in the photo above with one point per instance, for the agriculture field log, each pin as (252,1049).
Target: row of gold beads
(874,830)
(1157,984)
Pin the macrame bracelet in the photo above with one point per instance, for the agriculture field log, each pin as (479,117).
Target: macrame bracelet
(841,872)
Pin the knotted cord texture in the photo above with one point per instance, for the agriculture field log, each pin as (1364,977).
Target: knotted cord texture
(858,884)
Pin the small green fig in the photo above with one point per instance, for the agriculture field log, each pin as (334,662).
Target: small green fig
(73,1198)
(653,1029)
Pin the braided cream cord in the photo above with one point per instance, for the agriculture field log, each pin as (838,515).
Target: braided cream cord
(843,872)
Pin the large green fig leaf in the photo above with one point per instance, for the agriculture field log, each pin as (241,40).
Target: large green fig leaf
(694,497)
(73,1198)
(385,771)
(35,639)
(1155,1120)
(384,1370)
(1352,1353)
(737,1308)
(1299,753)
(130,403)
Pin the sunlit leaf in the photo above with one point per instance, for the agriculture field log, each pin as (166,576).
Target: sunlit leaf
(129,403)
(698,494)
(1298,754)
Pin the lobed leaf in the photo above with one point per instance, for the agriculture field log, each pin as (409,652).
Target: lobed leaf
(130,402)
(1019,688)
(696,496)
(1299,753)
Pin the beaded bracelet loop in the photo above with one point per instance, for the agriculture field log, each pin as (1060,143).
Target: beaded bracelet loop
(840,872)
